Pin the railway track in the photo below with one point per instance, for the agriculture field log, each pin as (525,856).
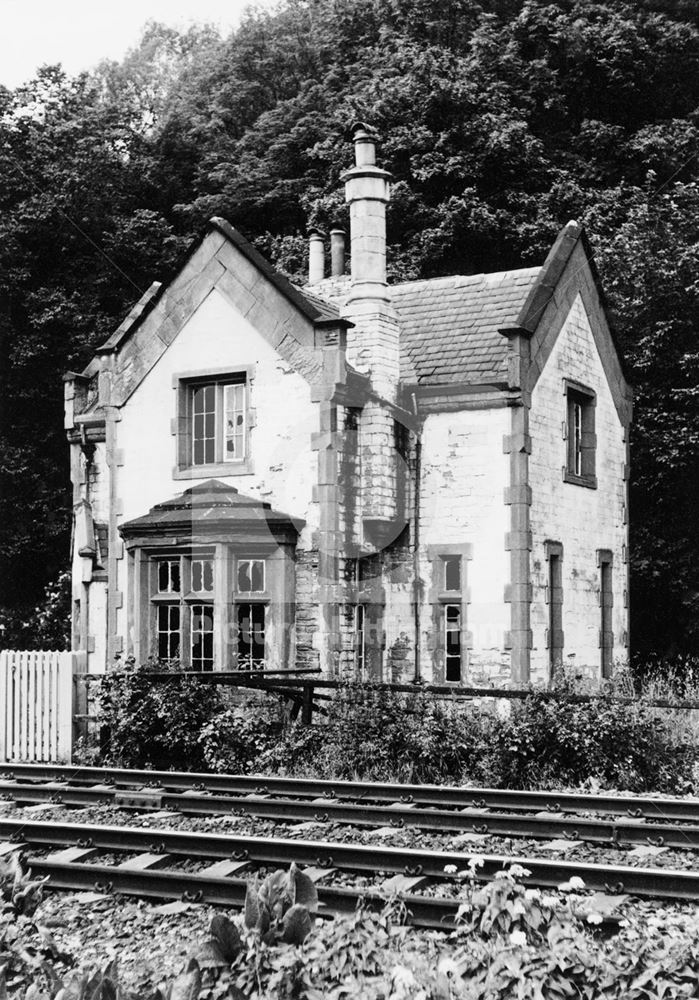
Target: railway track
(71,844)
(446,796)
(149,861)
(613,831)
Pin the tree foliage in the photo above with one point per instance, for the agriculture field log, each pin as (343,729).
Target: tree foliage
(501,119)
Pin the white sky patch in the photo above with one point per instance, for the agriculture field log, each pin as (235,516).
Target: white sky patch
(80,33)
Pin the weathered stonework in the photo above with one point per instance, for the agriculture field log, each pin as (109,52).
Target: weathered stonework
(405,477)
(583,520)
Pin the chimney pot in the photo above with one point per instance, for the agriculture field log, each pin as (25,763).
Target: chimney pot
(364,145)
(337,252)
(316,257)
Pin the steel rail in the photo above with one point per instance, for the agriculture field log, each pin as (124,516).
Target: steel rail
(607,832)
(549,873)
(424,911)
(364,791)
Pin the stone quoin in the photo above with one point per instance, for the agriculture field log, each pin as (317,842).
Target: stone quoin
(425,480)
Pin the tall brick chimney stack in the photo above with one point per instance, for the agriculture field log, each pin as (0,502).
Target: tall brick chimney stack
(373,344)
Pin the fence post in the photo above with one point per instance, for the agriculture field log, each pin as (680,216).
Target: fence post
(4,672)
(307,704)
(64,708)
(80,696)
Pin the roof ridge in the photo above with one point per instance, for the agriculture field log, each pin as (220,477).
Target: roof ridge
(466,277)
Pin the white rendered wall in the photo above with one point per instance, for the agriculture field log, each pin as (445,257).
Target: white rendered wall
(217,336)
(583,520)
(464,475)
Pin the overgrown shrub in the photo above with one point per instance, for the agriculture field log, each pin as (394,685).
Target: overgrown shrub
(154,724)
(237,736)
(553,741)
(547,740)
(373,733)
(544,741)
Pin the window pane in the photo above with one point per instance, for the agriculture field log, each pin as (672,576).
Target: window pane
(203,424)
(251,576)
(258,575)
(234,423)
(577,437)
(452,642)
(452,573)
(360,639)
(202,631)
(168,628)
(251,636)
(169,576)
(202,576)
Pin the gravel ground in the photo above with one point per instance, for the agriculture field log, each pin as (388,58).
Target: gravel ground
(398,837)
(153,941)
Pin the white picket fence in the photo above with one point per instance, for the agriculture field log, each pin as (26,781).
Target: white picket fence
(36,706)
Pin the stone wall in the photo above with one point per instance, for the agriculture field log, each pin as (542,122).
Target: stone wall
(583,520)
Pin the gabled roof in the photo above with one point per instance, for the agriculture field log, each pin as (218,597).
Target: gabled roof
(312,308)
(213,508)
(450,326)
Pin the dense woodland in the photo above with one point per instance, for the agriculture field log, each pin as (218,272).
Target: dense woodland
(501,120)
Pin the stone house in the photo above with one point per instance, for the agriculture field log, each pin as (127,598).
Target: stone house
(419,481)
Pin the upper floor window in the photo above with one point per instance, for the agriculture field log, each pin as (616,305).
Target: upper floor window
(217,423)
(213,424)
(580,435)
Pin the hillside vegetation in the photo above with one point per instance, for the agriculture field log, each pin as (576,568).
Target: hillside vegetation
(500,119)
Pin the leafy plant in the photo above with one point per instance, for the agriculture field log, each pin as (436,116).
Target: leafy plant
(280,908)
(238,735)
(154,724)
(20,893)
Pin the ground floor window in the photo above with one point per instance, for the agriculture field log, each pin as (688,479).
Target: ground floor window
(360,641)
(251,636)
(452,642)
(169,638)
(606,600)
(202,633)
(554,597)
(184,595)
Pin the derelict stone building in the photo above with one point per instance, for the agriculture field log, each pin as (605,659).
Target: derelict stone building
(424,480)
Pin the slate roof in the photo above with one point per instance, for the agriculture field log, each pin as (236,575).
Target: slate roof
(450,326)
(212,505)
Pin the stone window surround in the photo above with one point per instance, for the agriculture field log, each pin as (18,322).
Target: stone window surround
(182,383)
(588,398)
(605,558)
(438,598)
(365,590)
(554,549)
(278,596)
